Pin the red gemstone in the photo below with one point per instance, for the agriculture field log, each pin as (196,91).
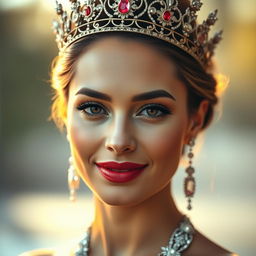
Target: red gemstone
(190,187)
(87,10)
(202,37)
(124,6)
(167,15)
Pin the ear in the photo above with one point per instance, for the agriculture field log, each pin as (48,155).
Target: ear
(196,121)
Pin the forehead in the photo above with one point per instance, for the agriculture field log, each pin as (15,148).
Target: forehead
(113,62)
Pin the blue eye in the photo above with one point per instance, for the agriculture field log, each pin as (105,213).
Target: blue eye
(92,109)
(154,111)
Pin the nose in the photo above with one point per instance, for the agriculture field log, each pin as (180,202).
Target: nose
(119,138)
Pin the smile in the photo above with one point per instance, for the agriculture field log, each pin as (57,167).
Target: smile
(120,172)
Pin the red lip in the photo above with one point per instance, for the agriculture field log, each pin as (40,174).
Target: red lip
(120,166)
(120,172)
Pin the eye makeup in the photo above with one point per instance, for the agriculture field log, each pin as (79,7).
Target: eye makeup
(159,110)
(93,110)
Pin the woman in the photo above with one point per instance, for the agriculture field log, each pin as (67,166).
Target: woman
(133,89)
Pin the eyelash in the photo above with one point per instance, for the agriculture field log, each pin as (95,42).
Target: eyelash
(164,111)
(88,105)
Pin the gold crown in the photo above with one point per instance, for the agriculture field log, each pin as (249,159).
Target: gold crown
(162,19)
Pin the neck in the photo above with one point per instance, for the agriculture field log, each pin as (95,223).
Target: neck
(135,230)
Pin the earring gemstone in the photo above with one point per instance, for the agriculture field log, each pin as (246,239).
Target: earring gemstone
(190,187)
(190,171)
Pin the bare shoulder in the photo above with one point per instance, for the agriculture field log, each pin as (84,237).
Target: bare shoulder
(202,246)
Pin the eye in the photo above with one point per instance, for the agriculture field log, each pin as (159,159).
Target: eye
(93,109)
(154,111)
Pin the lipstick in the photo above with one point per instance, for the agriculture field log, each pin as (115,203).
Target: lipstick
(120,172)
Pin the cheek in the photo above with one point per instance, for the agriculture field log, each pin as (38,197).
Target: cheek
(165,143)
(84,140)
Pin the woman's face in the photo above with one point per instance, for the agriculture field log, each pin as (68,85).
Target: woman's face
(126,105)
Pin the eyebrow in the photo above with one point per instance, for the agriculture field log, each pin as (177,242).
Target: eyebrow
(153,95)
(94,94)
(143,96)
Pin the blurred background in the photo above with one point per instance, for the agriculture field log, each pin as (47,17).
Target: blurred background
(34,207)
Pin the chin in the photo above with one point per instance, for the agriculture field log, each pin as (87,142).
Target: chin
(118,196)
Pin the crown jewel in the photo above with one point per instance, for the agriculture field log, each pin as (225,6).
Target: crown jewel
(162,19)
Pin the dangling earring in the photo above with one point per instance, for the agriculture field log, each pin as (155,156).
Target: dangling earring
(189,181)
(73,181)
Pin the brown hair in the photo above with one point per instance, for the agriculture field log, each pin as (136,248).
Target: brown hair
(200,84)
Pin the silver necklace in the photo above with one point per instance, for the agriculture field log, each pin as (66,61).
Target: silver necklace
(179,241)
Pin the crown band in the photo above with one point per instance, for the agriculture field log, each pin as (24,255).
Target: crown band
(156,18)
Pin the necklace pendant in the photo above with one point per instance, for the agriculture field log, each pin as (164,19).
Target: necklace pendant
(179,241)
(166,251)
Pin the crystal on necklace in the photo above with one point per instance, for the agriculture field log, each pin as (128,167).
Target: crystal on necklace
(179,241)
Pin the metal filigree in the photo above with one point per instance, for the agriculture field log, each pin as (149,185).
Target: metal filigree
(180,239)
(162,19)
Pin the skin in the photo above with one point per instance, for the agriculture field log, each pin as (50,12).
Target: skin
(123,130)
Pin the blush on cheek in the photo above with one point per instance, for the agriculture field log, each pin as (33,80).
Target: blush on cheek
(77,141)
(83,134)
(77,133)
(85,140)
(166,147)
